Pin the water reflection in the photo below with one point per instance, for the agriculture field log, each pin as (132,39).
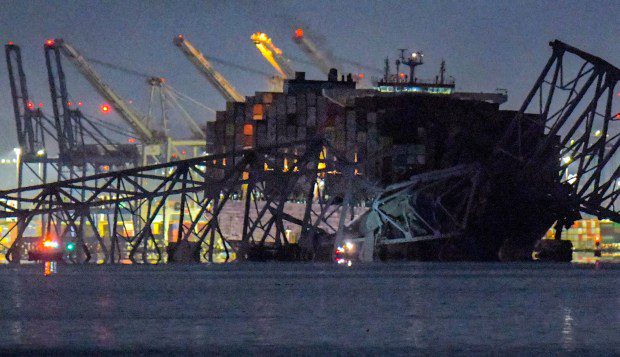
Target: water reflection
(568,341)
(49,268)
(410,306)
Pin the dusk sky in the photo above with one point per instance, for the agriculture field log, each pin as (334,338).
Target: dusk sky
(486,44)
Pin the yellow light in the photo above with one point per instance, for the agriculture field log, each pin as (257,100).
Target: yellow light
(567,159)
(267,49)
(349,245)
(597,133)
(322,166)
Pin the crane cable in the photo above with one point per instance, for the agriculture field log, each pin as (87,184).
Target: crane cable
(181,95)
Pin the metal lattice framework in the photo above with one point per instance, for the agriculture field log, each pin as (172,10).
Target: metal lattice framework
(435,205)
(129,202)
(573,106)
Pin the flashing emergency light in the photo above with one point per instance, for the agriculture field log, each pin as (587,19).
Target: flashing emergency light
(50,244)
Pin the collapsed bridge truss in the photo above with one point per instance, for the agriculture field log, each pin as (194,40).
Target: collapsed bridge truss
(574,104)
(129,202)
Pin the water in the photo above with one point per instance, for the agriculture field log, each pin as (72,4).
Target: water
(278,308)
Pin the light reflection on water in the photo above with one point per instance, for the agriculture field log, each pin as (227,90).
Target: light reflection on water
(445,307)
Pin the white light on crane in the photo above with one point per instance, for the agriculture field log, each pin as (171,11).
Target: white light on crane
(40,152)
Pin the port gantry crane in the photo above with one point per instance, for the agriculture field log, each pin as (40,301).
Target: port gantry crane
(30,122)
(206,69)
(273,54)
(152,140)
(319,58)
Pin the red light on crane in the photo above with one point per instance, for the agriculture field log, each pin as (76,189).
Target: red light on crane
(131,140)
(10,42)
(80,104)
(49,42)
(40,105)
(105,109)
(361,76)
(30,105)
(69,104)
(299,33)
(180,36)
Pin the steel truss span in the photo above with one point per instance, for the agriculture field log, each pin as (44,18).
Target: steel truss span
(573,102)
(130,203)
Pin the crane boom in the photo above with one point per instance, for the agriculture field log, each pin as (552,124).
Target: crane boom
(202,64)
(319,58)
(126,112)
(273,54)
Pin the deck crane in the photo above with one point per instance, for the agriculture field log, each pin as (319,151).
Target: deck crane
(156,144)
(273,54)
(204,66)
